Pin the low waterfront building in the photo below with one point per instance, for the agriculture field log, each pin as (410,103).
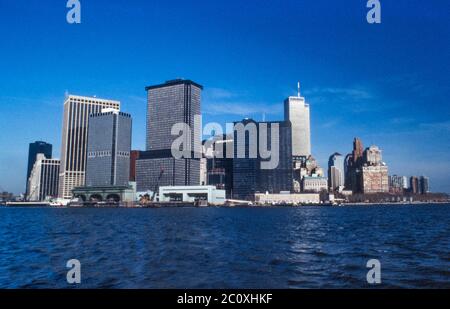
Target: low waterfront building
(280,199)
(314,184)
(191,194)
(43,180)
(118,194)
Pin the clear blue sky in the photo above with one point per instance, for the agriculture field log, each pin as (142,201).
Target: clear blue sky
(387,84)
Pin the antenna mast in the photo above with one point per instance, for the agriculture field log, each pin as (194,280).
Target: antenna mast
(298,87)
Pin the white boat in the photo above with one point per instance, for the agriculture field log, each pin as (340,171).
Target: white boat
(26,204)
(59,202)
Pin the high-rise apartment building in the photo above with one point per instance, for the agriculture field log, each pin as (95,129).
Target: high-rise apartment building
(414,184)
(33,150)
(77,110)
(174,102)
(424,185)
(398,184)
(43,180)
(374,172)
(296,110)
(109,147)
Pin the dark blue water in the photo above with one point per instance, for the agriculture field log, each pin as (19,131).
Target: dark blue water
(308,247)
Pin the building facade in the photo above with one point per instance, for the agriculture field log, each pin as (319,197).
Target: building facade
(158,168)
(375,179)
(191,194)
(336,176)
(219,166)
(374,172)
(43,180)
(398,184)
(134,156)
(249,173)
(414,185)
(33,150)
(314,184)
(424,185)
(296,110)
(77,110)
(174,102)
(109,147)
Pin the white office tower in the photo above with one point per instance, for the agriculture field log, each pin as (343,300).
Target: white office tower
(296,110)
(77,110)
(43,180)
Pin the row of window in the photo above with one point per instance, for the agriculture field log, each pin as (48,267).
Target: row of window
(107,153)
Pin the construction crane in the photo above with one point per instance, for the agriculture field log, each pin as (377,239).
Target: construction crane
(161,173)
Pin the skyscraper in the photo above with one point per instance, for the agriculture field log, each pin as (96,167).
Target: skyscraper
(296,110)
(414,185)
(77,110)
(374,172)
(249,176)
(353,167)
(43,181)
(398,184)
(35,148)
(358,151)
(174,102)
(424,185)
(109,147)
(336,177)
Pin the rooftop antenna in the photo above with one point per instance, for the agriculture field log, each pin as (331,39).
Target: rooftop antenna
(264,117)
(298,87)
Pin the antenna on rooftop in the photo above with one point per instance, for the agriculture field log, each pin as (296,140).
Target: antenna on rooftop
(298,87)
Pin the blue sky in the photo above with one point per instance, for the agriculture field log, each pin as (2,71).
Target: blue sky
(388,84)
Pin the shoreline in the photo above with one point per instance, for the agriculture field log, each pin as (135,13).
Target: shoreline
(186,205)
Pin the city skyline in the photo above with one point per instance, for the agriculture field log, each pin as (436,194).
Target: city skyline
(362,97)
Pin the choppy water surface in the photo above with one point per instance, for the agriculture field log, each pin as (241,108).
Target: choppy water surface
(307,247)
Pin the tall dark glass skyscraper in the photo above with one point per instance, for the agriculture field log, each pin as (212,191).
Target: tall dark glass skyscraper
(35,148)
(249,176)
(176,101)
(109,147)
